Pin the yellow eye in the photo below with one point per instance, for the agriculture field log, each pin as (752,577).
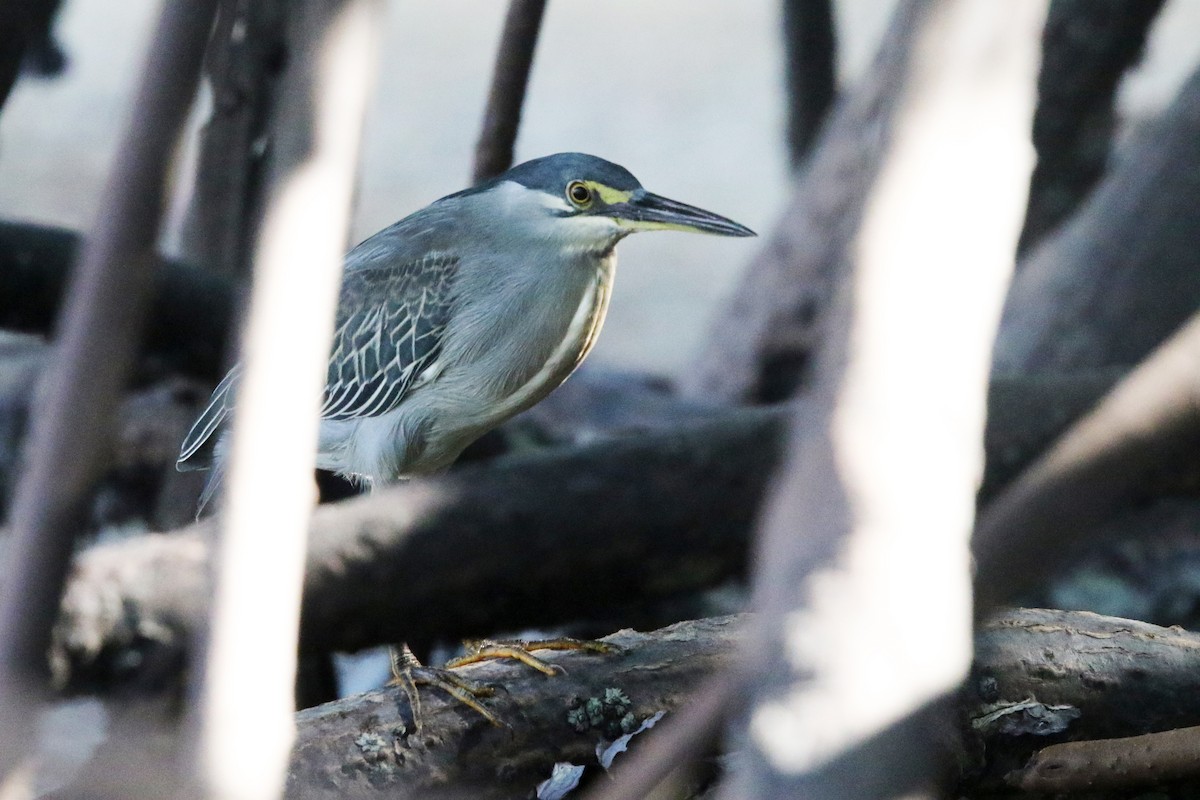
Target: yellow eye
(579,194)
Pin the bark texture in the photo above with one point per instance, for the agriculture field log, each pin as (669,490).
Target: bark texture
(367,745)
(1043,677)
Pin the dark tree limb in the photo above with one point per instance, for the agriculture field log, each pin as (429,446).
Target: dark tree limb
(584,532)
(1087,47)
(514,59)
(1148,426)
(810,44)
(366,744)
(22,24)
(419,561)
(1124,272)
(189,315)
(101,323)
(245,56)
(1042,677)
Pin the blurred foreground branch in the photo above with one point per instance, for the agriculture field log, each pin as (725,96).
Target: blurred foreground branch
(868,523)
(100,326)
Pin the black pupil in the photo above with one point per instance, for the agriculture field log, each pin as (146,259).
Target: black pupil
(579,193)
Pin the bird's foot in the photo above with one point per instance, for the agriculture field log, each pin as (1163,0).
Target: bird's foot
(519,650)
(408,673)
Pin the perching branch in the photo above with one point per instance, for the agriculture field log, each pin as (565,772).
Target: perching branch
(514,59)
(1040,675)
(366,744)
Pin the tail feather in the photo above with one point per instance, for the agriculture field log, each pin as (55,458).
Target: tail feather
(220,405)
(216,476)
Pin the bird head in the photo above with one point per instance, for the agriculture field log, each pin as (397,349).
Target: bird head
(586,200)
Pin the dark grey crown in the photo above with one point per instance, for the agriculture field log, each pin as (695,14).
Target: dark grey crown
(552,173)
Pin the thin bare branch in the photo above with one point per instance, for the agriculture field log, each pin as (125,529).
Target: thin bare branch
(810,42)
(21,23)
(514,59)
(100,328)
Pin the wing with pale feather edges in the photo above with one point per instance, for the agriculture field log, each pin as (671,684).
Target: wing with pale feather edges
(390,325)
(389,329)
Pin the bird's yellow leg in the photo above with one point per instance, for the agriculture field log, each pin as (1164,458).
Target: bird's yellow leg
(408,673)
(486,650)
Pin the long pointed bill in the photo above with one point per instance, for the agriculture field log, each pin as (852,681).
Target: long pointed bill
(645,211)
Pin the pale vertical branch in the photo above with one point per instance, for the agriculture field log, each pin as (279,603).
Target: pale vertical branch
(514,59)
(244,706)
(869,525)
(99,331)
